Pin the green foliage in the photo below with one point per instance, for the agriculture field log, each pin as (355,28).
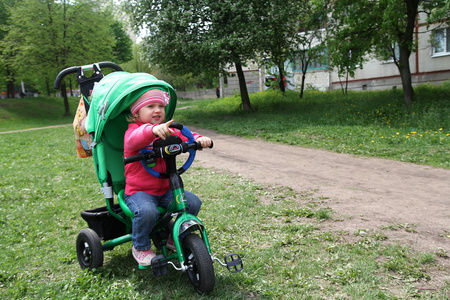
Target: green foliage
(122,50)
(46,36)
(281,24)
(359,27)
(138,64)
(440,10)
(206,37)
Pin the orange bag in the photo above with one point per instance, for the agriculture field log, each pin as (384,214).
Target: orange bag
(82,138)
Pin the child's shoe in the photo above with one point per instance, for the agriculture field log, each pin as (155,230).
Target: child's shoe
(170,243)
(143,257)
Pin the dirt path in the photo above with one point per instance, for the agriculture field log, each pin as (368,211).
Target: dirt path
(37,128)
(365,193)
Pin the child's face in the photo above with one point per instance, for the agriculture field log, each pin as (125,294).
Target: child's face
(153,113)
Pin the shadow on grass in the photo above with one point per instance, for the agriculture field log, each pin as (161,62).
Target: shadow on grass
(120,265)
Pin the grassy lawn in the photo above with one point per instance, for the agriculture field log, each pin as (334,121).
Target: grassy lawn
(16,114)
(44,187)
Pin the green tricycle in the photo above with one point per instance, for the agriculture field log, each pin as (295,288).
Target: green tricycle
(110,226)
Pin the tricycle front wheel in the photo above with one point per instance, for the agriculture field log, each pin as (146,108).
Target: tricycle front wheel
(200,266)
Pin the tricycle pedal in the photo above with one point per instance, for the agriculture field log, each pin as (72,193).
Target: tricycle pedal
(159,265)
(234,262)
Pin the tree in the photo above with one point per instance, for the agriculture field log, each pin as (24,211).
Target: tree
(138,63)
(6,53)
(281,21)
(50,35)
(204,36)
(381,27)
(312,49)
(122,50)
(285,23)
(345,55)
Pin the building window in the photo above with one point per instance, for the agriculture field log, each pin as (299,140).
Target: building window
(393,54)
(441,41)
(315,63)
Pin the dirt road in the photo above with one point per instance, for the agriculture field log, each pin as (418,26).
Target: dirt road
(365,193)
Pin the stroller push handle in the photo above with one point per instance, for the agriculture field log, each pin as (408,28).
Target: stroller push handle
(70,70)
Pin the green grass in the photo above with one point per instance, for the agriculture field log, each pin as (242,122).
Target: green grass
(16,114)
(362,123)
(278,232)
(44,187)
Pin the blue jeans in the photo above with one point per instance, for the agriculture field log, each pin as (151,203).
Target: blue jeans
(145,209)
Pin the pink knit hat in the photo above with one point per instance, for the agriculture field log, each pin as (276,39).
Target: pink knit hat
(151,96)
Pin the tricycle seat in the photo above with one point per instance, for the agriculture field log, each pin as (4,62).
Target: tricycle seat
(126,209)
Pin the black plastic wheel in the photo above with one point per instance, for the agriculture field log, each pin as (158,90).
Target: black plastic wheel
(198,259)
(89,249)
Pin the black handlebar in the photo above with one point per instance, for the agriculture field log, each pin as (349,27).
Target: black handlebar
(70,70)
(169,150)
(137,157)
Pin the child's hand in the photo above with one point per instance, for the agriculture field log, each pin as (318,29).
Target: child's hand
(204,141)
(162,130)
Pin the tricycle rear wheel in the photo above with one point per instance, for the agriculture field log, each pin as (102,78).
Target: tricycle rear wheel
(89,249)
(200,266)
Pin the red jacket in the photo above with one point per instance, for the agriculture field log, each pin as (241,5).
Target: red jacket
(138,136)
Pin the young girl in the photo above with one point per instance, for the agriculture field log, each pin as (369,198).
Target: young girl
(143,192)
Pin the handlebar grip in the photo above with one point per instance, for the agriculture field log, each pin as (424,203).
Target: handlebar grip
(134,158)
(199,146)
(176,125)
(109,64)
(63,74)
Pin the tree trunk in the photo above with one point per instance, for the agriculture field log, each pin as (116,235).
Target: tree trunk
(66,101)
(71,88)
(405,42)
(47,85)
(10,90)
(305,63)
(405,73)
(281,80)
(302,86)
(346,82)
(243,88)
(405,70)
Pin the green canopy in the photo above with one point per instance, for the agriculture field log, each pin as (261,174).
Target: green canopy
(116,92)
(107,120)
